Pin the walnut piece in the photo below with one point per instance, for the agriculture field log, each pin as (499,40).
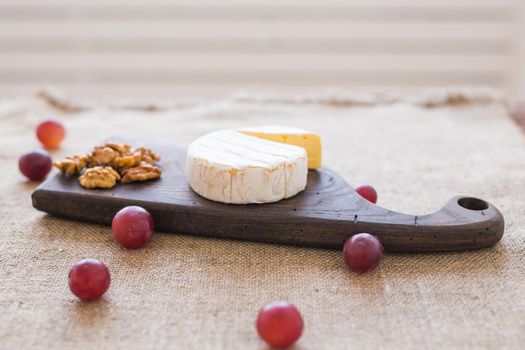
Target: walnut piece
(148,155)
(122,149)
(99,177)
(102,155)
(123,162)
(143,172)
(72,165)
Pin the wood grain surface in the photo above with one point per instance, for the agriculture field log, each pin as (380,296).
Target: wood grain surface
(324,215)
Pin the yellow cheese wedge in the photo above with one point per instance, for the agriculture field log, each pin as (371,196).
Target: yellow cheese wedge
(293,136)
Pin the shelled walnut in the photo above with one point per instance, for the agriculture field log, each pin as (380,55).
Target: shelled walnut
(126,161)
(108,163)
(148,155)
(72,165)
(99,177)
(102,155)
(143,172)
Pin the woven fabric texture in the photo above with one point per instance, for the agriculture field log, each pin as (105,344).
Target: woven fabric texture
(188,292)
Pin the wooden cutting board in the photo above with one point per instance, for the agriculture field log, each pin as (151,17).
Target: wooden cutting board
(324,215)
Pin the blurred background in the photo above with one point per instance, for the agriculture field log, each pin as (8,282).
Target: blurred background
(207,48)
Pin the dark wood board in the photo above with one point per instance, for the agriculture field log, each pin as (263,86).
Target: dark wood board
(324,215)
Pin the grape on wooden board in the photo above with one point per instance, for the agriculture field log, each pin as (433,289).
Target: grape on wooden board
(367,192)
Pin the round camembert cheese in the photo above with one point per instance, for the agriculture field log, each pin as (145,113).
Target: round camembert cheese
(231,167)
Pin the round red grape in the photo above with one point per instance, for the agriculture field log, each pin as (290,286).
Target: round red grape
(132,227)
(279,324)
(89,279)
(362,252)
(367,192)
(50,133)
(35,165)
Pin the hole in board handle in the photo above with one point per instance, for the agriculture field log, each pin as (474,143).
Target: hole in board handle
(473,203)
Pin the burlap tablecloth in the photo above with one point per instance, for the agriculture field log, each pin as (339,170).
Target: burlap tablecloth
(184,292)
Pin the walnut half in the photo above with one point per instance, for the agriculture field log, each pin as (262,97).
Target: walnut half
(143,172)
(102,155)
(148,155)
(72,165)
(128,161)
(121,148)
(99,177)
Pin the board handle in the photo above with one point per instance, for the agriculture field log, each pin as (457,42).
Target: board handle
(464,223)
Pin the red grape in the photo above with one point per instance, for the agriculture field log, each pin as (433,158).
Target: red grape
(89,279)
(279,324)
(35,165)
(367,192)
(50,133)
(362,252)
(132,227)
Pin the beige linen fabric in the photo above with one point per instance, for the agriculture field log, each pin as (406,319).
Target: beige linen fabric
(185,292)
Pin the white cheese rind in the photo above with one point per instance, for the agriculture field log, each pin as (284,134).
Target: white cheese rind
(231,167)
